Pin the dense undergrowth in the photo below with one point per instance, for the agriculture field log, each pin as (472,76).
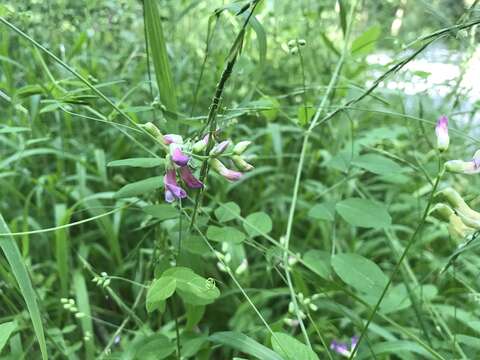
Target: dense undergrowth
(122,241)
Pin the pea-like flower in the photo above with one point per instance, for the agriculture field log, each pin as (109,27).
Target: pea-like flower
(172,190)
(342,348)
(464,167)
(227,173)
(178,157)
(456,227)
(468,216)
(219,148)
(189,178)
(441,130)
(172,139)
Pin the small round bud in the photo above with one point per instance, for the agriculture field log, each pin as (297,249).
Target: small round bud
(292,43)
(301,42)
(294,50)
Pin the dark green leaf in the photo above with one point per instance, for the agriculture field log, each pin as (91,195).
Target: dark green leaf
(244,344)
(227,212)
(140,187)
(360,273)
(291,349)
(257,224)
(225,234)
(138,162)
(364,213)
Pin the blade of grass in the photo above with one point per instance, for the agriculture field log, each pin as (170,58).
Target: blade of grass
(156,40)
(62,247)
(12,253)
(81,294)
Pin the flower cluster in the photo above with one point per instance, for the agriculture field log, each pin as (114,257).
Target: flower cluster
(179,160)
(462,220)
(455,166)
(451,208)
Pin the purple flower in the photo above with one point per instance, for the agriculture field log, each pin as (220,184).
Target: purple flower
(227,173)
(189,178)
(172,190)
(342,348)
(172,139)
(178,157)
(441,130)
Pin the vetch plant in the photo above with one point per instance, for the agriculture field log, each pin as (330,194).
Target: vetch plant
(177,160)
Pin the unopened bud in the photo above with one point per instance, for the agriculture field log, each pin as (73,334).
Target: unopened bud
(442,212)
(291,43)
(200,145)
(457,229)
(301,42)
(242,267)
(219,148)
(240,147)
(153,130)
(241,164)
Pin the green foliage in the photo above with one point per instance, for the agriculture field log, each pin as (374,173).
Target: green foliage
(363,213)
(290,348)
(339,101)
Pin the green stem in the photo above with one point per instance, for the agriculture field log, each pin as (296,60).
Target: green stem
(398,264)
(298,175)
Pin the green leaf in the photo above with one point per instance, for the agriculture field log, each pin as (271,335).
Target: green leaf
(365,43)
(12,129)
(83,304)
(155,347)
(257,224)
(396,348)
(290,348)
(360,273)
(364,213)
(140,187)
(6,330)
(377,164)
(161,211)
(244,344)
(225,234)
(305,114)
(323,211)
(192,288)
(194,314)
(157,43)
(160,290)
(20,272)
(227,212)
(319,262)
(138,162)
(343,16)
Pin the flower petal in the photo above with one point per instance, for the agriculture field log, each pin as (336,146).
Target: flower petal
(178,157)
(189,178)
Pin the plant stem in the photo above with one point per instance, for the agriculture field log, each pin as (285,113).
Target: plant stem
(399,263)
(298,175)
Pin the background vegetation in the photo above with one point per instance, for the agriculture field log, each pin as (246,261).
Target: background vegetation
(326,239)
